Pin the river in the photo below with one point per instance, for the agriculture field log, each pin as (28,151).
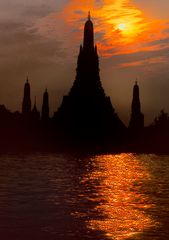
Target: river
(80,197)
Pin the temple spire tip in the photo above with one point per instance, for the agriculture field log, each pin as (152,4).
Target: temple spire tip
(136,82)
(89,16)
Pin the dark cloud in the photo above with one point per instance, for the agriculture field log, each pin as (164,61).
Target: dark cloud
(23,51)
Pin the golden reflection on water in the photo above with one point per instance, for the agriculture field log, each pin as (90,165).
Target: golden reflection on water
(123,205)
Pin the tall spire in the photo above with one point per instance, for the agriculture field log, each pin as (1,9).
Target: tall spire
(137,118)
(86,110)
(88,43)
(35,113)
(136,82)
(45,107)
(136,107)
(89,16)
(88,65)
(26,104)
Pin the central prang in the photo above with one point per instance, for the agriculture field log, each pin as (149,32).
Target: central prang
(86,110)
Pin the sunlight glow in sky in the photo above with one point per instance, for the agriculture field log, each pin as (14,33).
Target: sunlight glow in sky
(122,27)
(42,39)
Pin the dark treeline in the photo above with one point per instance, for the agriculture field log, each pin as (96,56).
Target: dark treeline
(86,118)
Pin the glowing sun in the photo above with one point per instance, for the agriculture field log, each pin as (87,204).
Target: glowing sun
(122,26)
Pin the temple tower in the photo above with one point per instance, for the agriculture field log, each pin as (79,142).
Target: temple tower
(35,113)
(87,82)
(137,118)
(45,107)
(88,42)
(86,110)
(26,104)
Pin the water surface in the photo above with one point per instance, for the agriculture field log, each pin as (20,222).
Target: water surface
(101,197)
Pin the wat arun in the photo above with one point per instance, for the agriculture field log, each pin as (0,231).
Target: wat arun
(86,112)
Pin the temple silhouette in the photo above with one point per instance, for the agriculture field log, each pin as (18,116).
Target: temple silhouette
(86,116)
(137,118)
(86,111)
(26,104)
(45,107)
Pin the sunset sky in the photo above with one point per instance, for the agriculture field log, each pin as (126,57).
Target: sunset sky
(41,39)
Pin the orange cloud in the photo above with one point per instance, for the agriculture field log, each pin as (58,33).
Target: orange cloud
(121,24)
(120,27)
(155,60)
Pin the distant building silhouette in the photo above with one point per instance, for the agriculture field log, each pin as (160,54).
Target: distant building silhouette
(35,113)
(26,104)
(86,109)
(45,107)
(137,118)
(162,121)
